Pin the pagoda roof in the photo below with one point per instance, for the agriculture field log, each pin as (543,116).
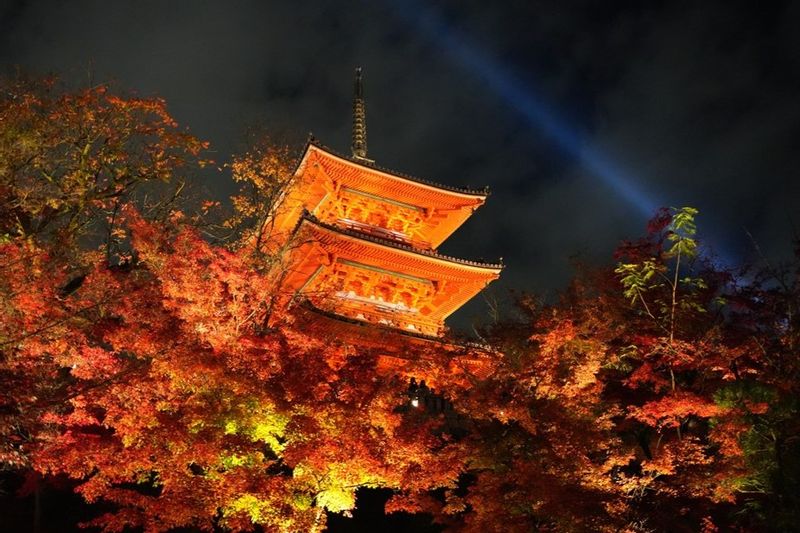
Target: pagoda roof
(454,344)
(456,353)
(308,217)
(370,165)
(322,178)
(320,245)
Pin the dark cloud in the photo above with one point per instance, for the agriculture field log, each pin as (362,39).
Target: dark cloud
(695,102)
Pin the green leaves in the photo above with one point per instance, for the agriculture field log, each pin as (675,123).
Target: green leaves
(662,284)
(681,232)
(639,278)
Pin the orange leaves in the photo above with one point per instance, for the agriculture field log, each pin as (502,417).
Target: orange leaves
(674,455)
(568,360)
(647,376)
(94,362)
(727,435)
(174,399)
(161,375)
(263,173)
(211,290)
(603,399)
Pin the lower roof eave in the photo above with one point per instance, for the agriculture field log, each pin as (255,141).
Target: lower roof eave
(380,328)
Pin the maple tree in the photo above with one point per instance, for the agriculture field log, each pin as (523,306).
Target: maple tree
(645,399)
(154,368)
(767,386)
(220,425)
(263,171)
(70,159)
(155,381)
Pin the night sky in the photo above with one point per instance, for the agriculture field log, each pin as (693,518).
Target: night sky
(581,117)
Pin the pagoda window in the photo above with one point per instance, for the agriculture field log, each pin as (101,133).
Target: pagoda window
(407,299)
(398,225)
(355,286)
(383,293)
(373,302)
(377,219)
(372,229)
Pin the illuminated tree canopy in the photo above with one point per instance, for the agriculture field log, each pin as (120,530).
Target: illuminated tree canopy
(150,365)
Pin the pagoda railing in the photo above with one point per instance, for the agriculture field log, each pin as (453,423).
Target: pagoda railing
(381,313)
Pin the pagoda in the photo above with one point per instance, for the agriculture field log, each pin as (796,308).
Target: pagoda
(361,243)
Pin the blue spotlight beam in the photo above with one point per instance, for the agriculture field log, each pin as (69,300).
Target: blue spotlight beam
(525,101)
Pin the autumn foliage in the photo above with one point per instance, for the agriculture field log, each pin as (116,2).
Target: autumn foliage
(152,367)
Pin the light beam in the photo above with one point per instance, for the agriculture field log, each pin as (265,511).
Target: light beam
(525,101)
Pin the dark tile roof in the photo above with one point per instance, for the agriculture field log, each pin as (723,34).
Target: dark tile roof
(393,244)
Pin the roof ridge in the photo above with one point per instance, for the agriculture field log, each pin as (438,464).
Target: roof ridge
(313,141)
(388,242)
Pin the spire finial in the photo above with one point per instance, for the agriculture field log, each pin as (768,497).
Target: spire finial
(359,143)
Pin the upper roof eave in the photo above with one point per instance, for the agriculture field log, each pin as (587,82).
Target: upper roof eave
(467,191)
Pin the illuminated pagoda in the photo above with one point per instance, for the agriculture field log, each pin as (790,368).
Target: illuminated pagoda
(364,242)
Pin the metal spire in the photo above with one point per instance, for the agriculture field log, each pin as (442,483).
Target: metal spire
(359,144)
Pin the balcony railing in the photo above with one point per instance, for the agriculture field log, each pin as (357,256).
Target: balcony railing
(376,311)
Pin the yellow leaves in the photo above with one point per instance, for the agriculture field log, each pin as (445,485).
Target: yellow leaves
(52,203)
(129,439)
(67,157)
(337,499)
(255,508)
(196,426)
(259,423)
(302,501)
(263,174)
(584,375)
(249,460)
(269,429)
(334,474)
